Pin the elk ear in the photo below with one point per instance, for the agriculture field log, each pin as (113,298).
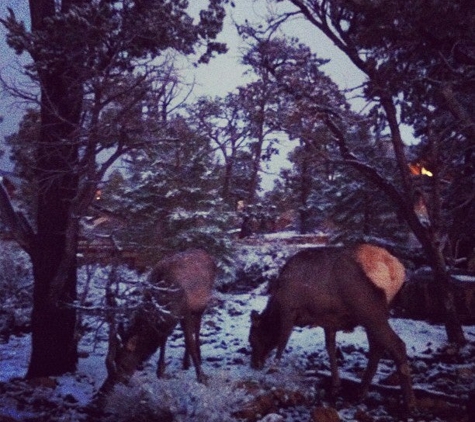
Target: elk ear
(131,343)
(255,318)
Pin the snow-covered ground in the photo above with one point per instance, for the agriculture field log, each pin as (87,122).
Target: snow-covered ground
(442,374)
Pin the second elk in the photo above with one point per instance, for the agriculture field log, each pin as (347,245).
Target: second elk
(179,289)
(337,289)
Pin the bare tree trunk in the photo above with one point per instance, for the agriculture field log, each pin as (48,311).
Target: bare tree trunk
(259,122)
(429,237)
(453,326)
(54,348)
(228,177)
(255,169)
(54,344)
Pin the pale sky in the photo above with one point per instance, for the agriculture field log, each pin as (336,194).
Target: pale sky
(10,110)
(224,73)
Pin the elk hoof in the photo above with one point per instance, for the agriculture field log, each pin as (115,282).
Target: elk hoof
(274,366)
(202,378)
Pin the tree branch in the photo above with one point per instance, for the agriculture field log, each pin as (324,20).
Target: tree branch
(15,221)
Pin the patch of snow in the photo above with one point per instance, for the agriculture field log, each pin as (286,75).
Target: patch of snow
(272,417)
(14,357)
(464,277)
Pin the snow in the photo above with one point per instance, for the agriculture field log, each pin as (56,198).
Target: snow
(14,357)
(464,277)
(231,382)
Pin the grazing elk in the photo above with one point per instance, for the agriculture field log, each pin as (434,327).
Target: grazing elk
(337,289)
(179,290)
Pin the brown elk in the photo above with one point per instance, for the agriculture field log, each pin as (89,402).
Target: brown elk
(179,290)
(337,289)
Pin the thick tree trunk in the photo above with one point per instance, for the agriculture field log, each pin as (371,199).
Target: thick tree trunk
(53,253)
(54,348)
(54,344)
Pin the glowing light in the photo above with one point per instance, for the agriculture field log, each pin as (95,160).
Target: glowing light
(426,172)
(417,169)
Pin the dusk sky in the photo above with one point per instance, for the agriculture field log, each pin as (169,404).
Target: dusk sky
(222,75)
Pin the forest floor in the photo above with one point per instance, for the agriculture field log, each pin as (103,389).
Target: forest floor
(443,375)
(293,390)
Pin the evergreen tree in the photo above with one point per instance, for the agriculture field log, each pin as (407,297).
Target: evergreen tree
(171,196)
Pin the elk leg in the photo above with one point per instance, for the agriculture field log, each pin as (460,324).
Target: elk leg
(188,341)
(186,355)
(330,343)
(196,322)
(161,359)
(398,351)
(191,347)
(385,336)
(286,330)
(375,353)
(186,359)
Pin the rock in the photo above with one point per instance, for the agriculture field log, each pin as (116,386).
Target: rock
(363,416)
(272,417)
(324,414)
(46,382)
(267,402)
(7,324)
(255,409)
(418,299)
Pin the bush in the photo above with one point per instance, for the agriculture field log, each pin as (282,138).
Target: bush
(185,399)
(16,288)
(258,264)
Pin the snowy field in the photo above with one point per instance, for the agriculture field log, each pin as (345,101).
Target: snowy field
(443,375)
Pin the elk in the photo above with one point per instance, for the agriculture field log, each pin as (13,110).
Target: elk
(178,291)
(336,288)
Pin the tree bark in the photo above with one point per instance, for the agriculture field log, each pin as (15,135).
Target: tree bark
(453,326)
(228,175)
(54,344)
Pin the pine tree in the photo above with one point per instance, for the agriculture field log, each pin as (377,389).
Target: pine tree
(171,196)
